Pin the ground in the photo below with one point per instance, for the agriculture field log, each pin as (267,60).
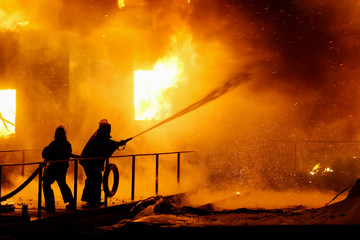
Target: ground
(164,217)
(175,216)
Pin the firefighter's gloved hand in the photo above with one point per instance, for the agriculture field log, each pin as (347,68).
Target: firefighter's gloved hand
(122,142)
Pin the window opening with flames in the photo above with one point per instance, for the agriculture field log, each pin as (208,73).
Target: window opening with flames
(7,112)
(150,89)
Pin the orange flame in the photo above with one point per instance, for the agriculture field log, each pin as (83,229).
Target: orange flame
(7,112)
(316,169)
(12,21)
(150,87)
(121,4)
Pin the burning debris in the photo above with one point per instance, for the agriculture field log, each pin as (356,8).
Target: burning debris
(317,169)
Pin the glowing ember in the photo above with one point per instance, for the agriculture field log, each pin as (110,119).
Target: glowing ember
(150,87)
(7,112)
(328,170)
(316,170)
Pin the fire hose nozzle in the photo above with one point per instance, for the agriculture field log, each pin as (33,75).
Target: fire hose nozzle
(123,142)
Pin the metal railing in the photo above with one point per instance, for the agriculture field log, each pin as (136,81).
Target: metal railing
(23,156)
(299,155)
(41,164)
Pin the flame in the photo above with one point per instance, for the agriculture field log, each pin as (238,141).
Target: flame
(150,88)
(7,112)
(328,170)
(12,22)
(317,167)
(121,4)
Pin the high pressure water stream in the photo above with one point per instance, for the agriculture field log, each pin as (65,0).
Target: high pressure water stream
(228,86)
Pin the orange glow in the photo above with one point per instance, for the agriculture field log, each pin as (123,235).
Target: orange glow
(121,4)
(7,112)
(150,88)
(315,169)
(12,22)
(328,170)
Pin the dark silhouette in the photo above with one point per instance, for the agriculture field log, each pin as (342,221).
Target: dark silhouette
(59,149)
(99,146)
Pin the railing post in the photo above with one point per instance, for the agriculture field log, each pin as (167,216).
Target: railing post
(132,177)
(178,168)
(0,180)
(157,175)
(106,165)
(23,161)
(39,190)
(75,181)
(295,156)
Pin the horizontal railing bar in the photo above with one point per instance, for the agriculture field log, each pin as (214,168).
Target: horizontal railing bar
(21,164)
(151,154)
(302,141)
(19,150)
(92,158)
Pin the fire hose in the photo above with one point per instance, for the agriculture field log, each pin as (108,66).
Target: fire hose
(22,186)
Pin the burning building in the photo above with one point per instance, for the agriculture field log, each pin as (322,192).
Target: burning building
(289,70)
(41,79)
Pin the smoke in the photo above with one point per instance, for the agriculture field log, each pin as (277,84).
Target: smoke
(72,63)
(254,198)
(303,87)
(218,92)
(306,51)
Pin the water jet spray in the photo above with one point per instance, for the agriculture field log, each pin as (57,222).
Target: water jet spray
(228,86)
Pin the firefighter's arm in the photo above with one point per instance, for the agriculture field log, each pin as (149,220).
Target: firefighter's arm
(123,142)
